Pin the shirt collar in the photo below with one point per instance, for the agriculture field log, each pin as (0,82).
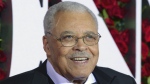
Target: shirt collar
(58,79)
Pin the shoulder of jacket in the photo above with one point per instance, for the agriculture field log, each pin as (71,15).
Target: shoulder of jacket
(20,78)
(112,72)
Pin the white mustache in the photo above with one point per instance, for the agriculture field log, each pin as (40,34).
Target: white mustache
(80,54)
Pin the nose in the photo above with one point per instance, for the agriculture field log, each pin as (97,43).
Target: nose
(80,45)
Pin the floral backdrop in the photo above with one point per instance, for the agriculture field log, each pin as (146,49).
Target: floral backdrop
(145,42)
(116,14)
(119,16)
(2,54)
(5,38)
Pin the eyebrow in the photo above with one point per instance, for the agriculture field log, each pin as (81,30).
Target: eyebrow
(67,32)
(70,32)
(89,32)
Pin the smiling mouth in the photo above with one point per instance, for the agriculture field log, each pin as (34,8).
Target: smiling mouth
(79,59)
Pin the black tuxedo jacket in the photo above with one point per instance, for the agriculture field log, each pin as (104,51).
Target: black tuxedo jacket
(39,76)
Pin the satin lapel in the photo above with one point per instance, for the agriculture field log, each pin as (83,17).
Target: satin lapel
(41,75)
(104,78)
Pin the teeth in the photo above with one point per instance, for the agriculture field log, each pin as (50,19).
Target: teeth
(80,59)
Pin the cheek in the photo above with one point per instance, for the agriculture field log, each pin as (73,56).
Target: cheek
(60,54)
(65,50)
(94,50)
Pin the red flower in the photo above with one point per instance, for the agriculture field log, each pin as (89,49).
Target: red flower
(2,56)
(119,41)
(125,36)
(116,12)
(145,23)
(107,4)
(98,4)
(147,34)
(115,33)
(145,51)
(122,46)
(109,22)
(2,74)
(146,70)
(2,5)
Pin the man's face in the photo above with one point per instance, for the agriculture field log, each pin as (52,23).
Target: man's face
(78,61)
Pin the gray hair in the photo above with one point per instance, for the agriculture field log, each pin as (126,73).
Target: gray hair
(64,6)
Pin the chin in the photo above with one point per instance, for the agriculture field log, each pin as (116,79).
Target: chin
(81,76)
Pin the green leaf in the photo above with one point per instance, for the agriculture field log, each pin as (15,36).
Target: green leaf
(148,80)
(104,12)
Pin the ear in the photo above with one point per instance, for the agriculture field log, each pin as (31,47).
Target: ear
(46,45)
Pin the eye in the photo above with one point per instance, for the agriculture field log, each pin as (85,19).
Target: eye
(67,38)
(90,37)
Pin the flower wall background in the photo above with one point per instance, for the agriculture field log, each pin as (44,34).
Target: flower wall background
(3,57)
(145,42)
(5,38)
(119,16)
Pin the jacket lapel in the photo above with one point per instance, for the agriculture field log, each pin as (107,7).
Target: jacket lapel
(103,78)
(41,76)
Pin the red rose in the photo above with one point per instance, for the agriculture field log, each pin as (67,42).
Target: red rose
(98,4)
(145,51)
(2,5)
(107,4)
(116,12)
(125,1)
(146,70)
(122,46)
(115,33)
(145,23)
(2,56)
(147,34)
(119,41)
(125,36)
(147,60)
(109,22)
(2,74)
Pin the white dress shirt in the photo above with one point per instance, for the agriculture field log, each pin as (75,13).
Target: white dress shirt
(58,79)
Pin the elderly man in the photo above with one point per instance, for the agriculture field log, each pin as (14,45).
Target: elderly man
(71,45)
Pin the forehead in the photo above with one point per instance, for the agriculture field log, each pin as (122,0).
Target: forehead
(76,22)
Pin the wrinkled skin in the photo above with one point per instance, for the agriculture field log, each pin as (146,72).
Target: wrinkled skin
(60,57)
